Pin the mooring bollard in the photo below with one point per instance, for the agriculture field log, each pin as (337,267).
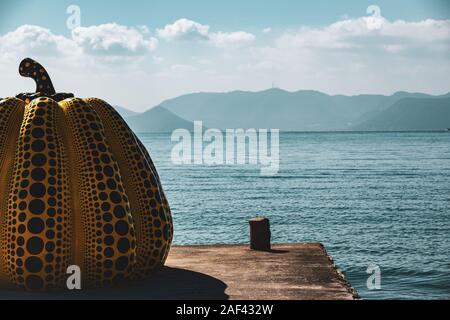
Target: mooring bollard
(259,234)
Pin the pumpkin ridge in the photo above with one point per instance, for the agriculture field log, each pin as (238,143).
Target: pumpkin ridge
(109,251)
(38,212)
(146,195)
(10,123)
(165,202)
(122,158)
(63,127)
(79,254)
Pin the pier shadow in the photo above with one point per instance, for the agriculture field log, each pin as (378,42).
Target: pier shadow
(164,284)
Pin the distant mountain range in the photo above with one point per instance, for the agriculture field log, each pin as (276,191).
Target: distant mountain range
(124,112)
(296,111)
(157,119)
(411,114)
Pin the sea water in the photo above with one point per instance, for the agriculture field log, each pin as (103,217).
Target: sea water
(377,198)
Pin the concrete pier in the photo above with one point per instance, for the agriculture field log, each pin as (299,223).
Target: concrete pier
(287,271)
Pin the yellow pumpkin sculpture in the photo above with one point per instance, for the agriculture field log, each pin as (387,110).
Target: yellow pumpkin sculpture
(77,187)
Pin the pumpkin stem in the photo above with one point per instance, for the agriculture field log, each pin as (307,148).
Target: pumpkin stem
(32,69)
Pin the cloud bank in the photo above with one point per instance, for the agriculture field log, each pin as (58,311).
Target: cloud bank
(113,39)
(349,56)
(185,29)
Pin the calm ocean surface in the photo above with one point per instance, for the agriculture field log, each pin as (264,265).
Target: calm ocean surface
(370,198)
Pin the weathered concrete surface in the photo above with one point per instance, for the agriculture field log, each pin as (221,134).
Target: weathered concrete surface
(288,271)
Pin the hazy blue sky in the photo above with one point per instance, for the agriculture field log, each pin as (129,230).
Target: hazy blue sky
(137,53)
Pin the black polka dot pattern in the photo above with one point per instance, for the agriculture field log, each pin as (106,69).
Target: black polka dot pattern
(151,211)
(11,111)
(101,193)
(166,229)
(38,251)
(76,187)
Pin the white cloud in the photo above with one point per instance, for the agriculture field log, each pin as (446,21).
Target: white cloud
(34,40)
(267,30)
(107,39)
(426,30)
(178,71)
(353,56)
(225,39)
(359,34)
(144,29)
(158,60)
(394,48)
(182,68)
(185,29)
(117,62)
(112,39)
